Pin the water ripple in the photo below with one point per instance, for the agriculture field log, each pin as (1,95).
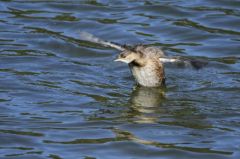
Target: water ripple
(63,97)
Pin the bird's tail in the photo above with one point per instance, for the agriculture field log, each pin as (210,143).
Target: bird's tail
(89,37)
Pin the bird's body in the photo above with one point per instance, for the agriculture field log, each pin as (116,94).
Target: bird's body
(148,70)
(149,75)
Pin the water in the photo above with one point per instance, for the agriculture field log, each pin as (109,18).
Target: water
(65,98)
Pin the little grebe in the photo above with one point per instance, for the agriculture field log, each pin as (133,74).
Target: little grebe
(145,62)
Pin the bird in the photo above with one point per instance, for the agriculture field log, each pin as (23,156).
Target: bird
(145,62)
(145,65)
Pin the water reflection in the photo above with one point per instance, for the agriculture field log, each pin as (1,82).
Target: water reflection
(145,103)
(151,105)
(128,136)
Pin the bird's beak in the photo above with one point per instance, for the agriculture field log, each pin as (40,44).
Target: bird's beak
(116,60)
(122,60)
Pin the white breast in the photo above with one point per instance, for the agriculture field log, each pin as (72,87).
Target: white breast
(146,76)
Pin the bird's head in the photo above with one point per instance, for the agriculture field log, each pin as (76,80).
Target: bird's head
(128,56)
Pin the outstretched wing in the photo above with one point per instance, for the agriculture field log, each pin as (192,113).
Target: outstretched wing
(197,64)
(89,37)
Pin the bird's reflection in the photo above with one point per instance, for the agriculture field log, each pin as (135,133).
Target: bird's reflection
(150,105)
(146,104)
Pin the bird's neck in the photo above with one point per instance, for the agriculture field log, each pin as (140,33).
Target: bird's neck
(139,63)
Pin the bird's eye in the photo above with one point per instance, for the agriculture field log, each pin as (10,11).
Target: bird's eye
(123,56)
